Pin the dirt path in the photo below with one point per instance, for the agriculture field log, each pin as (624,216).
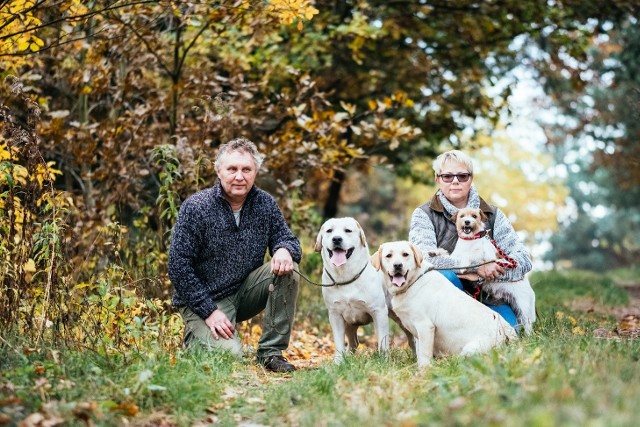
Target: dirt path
(628,316)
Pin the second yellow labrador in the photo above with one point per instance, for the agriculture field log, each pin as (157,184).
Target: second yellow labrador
(443,319)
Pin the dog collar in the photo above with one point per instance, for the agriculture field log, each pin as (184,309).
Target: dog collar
(404,289)
(349,281)
(476,236)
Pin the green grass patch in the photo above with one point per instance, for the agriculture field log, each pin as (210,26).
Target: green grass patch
(560,375)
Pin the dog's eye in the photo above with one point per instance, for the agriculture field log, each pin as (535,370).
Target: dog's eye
(347,230)
(330,230)
(388,256)
(474,215)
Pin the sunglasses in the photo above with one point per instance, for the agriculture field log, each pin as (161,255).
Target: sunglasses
(448,177)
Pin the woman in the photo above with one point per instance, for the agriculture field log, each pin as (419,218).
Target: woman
(431,228)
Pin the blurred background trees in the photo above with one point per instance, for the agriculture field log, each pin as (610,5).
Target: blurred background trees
(113,110)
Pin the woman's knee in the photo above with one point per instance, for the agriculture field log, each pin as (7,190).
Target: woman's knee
(507,314)
(452,277)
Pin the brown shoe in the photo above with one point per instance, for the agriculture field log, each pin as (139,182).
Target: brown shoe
(277,363)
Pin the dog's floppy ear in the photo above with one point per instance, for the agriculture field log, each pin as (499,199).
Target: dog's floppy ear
(417,254)
(318,246)
(363,239)
(454,217)
(483,217)
(376,259)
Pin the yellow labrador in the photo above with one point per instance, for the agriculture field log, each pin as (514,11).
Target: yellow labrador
(357,296)
(443,320)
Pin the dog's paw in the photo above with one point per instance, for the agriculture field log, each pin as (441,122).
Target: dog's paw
(437,252)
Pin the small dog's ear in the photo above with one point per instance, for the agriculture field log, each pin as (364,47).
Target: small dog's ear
(318,246)
(376,259)
(454,217)
(417,254)
(483,217)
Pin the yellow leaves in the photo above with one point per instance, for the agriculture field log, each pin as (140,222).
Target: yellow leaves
(29,269)
(74,8)
(573,323)
(577,330)
(349,108)
(288,11)
(396,130)
(129,409)
(17,17)
(398,99)
(5,153)
(35,44)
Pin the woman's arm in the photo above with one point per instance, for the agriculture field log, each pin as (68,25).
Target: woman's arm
(423,235)
(508,240)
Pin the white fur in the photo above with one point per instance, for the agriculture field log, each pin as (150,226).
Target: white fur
(359,302)
(519,294)
(443,320)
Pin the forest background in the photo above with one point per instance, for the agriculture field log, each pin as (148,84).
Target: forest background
(112,111)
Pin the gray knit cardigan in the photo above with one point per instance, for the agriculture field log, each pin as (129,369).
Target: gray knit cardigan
(423,235)
(210,256)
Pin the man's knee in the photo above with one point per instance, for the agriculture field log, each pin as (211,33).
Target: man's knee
(198,335)
(207,342)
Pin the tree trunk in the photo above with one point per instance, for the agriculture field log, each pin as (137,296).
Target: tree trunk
(333,198)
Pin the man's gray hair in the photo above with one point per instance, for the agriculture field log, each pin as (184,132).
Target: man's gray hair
(455,156)
(242,145)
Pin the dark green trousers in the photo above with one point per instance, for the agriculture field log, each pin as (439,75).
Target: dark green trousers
(252,298)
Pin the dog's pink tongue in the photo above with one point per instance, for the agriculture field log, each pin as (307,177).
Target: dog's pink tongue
(398,280)
(339,257)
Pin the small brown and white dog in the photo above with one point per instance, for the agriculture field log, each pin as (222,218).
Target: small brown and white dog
(443,320)
(474,247)
(357,296)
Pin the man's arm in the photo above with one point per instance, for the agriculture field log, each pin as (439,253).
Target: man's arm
(183,253)
(282,237)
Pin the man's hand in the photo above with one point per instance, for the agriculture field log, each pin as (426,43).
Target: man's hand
(490,271)
(220,325)
(281,263)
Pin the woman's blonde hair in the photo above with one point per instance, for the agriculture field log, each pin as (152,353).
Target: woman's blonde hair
(455,156)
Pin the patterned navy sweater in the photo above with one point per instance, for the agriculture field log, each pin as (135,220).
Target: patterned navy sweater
(210,255)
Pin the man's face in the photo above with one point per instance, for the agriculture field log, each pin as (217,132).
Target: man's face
(237,173)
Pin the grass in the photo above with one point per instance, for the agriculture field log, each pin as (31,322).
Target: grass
(561,375)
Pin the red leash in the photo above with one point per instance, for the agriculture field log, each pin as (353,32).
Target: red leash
(506,261)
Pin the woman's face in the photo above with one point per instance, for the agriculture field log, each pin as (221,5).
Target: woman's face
(455,191)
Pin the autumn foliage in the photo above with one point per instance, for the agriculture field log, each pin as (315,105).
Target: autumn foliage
(112,110)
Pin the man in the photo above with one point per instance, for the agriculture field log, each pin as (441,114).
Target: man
(216,261)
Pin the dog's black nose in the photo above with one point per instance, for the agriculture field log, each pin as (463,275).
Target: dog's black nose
(397,266)
(337,240)
(467,222)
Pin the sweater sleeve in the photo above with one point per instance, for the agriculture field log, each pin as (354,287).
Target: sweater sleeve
(508,240)
(184,249)
(423,235)
(281,235)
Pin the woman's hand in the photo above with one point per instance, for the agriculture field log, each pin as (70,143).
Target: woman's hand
(490,271)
